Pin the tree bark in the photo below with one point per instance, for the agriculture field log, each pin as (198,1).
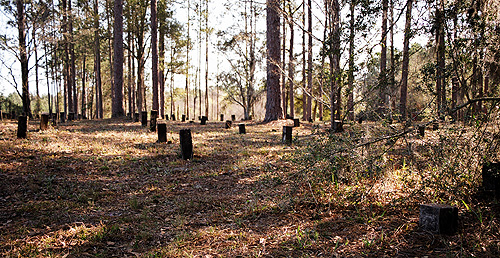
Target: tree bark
(383,56)
(406,59)
(97,63)
(350,75)
(291,65)
(117,99)
(154,54)
(273,105)
(21,22)
(309,61)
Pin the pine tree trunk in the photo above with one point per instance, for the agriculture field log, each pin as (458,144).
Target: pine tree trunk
(273,102)
(97,64)
(154,54)
(309,61)
(406,59)
(117,99)
(291,65)
(21,22)
(383,57)
(350,76)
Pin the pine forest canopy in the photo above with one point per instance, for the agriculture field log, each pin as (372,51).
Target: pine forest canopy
(317,60)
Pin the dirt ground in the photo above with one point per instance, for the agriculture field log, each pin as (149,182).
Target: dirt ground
(107,189)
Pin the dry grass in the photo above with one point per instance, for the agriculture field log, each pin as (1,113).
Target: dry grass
(107,189)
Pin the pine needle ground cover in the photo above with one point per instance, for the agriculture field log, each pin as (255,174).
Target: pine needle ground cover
(108,189)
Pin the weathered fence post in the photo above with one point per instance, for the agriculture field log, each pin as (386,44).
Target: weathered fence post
(144,118)
(162,132)
(229,124)
(186,144)
(242,128)
(44,122)
(22,127)
(287,134)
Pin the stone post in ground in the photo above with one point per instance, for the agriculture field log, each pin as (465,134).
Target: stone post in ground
(22,127)
(421,130)
(62,117)
(44,122)
(144,118)
(162,132)
(242,129)
(296,122)
(152,122)
(287,134)
(186,144)
(439,218)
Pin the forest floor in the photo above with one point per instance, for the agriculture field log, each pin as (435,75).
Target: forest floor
(106,188)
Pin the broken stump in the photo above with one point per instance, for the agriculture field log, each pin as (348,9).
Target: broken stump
(439,218)
(186,144)
(338,126)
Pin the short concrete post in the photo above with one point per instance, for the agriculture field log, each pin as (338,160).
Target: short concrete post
(62,117)
(421,130)
(152,122)
(439,218)
(162,132)
(491,177)
(242,128)
(22,127)
(296,122)
(287,134)
(229,124)
(44,122)
(221,117)
(338,126)
(233,118)
(186,144)
(144,118)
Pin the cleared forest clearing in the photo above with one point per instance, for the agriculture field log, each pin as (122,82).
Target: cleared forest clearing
(107,189)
